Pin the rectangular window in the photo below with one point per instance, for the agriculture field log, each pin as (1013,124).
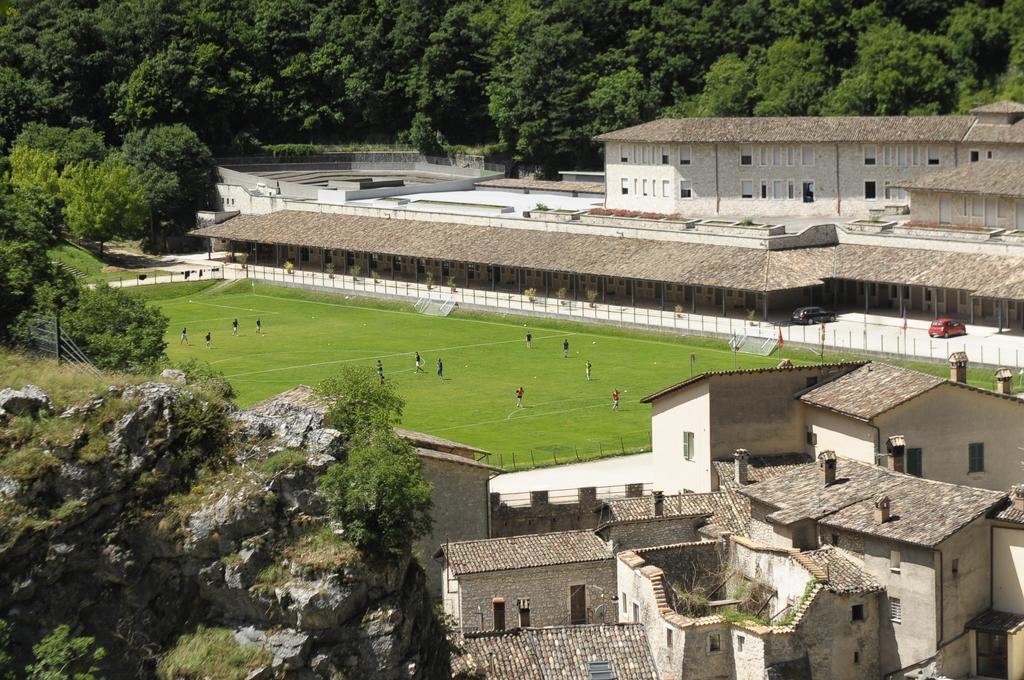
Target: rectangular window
(625,605)
(688,446)
(577,604)
(894,560)
(645,187)
(625,186)
(857,612)
(887,156)
(993,655)
(776,155)
(668,638)
(636,613)
(739,643)
(933,156)
(498,612)
(684,155)
(685,188)
(812,438)
(714,642)
(807,155)
(524,613)
(988,155)
(901,154)
(870,155)
(869,191)
(764,155)
(746,155)
(975,155)
(791,189)
(790,155)
(955,567)
(777,189)
(764,189)
(895,610)
(856,657)
(977,206)
(664,188)
(976,457)
(623,153)
(664,156)
(916,156)
(747,188)
(914,463)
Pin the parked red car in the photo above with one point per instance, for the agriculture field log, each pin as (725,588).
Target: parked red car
(947,328)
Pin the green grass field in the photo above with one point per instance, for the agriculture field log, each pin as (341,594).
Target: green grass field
(309,336)
(90,265)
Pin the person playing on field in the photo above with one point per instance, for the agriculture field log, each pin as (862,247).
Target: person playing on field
(234,327)
(380,371)
(440,370)
(565,348)
(184,337)
(259,327)
(587,366)
(529,340)
(519,397)
(419,363)
(615,400)
(208,340)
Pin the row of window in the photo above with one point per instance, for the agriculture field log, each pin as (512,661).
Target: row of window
(901,156)
(914,457)
(653,155)
(644,187)
(779,189)
(777,155)
(889,192)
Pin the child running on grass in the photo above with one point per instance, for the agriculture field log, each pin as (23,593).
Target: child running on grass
(519,397)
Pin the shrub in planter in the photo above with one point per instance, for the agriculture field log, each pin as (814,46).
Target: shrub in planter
(330,270)
(376,277)
(751,316)
(430,280)
(451,283)
(289,266)
(679,311)
(592,297)
(354,271)
(530,293)
(562,293)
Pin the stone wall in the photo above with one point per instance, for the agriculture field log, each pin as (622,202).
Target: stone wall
(653,532)
(542,516)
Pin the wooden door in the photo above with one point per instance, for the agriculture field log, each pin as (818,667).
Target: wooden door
(577,605)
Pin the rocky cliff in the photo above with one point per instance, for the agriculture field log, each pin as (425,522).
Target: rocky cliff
(188,538)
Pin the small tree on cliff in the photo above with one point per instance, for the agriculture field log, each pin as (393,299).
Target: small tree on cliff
(359,403)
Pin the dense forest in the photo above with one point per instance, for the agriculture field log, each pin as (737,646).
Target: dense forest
(528,80)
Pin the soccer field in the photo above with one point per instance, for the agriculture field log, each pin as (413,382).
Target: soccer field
(308,337)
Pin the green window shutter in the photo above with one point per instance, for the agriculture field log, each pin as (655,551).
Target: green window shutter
(914,463)
(976,457)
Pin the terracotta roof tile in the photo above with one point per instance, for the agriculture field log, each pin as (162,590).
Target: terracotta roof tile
(726,512)
(797,129)
(745,371)
(996,134)
(759,468)
(842,575)
(1003,106)
(1011,514)
(558,652)
(870,390)
(520,552)
(989,177)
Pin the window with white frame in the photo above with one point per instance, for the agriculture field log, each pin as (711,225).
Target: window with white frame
(777,191)
(623,153)
(665,160)
(714,643)
(901,156)
(625,186)
(915,155)
(665,188)
(895,610)
(747,188)
(764,155)
(746,155)
(688,451)
(684,155)
(807,155)
(887,156)
(977,206)
(870,157)
(764,188)
(645,187)
(933,156)
(870,191)
(790,155)
(685,188)
(790,189)
(894,555)
(776,155)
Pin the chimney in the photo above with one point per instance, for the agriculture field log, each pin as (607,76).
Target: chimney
(896,446)
(827,464)
(1004,381)
(882,510)
(958,367)
(741,458)
(659,503)
(1017,496)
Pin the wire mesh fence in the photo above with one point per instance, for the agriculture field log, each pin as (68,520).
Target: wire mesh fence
(560,454)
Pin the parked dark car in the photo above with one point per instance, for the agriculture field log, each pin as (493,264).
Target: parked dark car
(807,315)
(947,328)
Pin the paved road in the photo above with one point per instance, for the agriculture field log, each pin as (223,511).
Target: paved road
(638,468)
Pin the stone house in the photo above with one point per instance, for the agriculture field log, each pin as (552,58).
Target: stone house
(978,195)
(927,543)
(619,651)
(768,612)
(556,579)
(997,635)
(811,166)
(873,412)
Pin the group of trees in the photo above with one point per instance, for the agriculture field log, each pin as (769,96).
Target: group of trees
(535,80)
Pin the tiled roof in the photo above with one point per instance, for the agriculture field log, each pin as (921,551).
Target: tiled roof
(922,511)
(556,653)
(745,371)
(657,260)
(520,552)
(725,511)
(1011,514)
(759,468)
(1003,106)
(543,185)
(996,134)
(437,443)
(994,621)
(456,459)
(990,177)
(842,575)
(870,390)
(796,129)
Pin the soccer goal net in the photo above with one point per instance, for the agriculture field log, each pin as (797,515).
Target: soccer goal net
(436,304)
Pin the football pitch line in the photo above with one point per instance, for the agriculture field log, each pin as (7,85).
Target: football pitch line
(544,414)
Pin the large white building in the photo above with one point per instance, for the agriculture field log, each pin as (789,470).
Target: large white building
(796,166)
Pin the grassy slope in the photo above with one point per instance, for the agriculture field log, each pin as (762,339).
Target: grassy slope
(87,263)
(308,336)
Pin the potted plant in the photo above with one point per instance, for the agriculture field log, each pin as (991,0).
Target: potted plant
(289,267)
(562,293)
(430,280)
(531,293)
(679,311)
(451,283)
(330,270)
(592,297)
(354,271)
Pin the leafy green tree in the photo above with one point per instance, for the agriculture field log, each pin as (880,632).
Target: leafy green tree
(70,145)
(359,403)
(792,79)
(728,89)
(425,138)
(980,40)
(620,100)
(103,201)
(21,101)
(897,72)
(117,330)
(60,656)
(33,169)
(379,495)
(6,661)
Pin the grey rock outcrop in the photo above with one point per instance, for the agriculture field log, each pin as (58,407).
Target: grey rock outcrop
(28,401)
